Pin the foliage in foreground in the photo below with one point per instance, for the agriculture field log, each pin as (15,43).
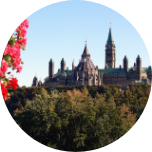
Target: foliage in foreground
(73,120)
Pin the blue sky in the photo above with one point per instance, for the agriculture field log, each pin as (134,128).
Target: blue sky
(60,30)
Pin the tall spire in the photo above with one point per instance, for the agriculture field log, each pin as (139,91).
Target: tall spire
(85,52)
(110,38)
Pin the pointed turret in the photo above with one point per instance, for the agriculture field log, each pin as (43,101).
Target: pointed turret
(125,63)
(40,82)
(138,63)
(125,58)
(138,57)
(35,82)
(85,52)
(73,66)
(51,68)
(63,65)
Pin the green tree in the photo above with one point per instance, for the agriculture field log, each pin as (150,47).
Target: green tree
(73,120)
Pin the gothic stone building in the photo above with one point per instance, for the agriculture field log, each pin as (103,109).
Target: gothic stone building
(86,73)
(149,73)
(36,83)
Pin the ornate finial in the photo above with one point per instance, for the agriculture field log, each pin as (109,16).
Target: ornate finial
(35,74)
(86,41)
(110,24)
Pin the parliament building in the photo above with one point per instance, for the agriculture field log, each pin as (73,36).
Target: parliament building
(86,73)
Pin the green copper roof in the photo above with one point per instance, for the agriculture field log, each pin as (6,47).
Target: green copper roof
(63,73)
(59,71)
(138,57)
(110,39)
(132,69)
(135,70)
(149,68)
(111,71)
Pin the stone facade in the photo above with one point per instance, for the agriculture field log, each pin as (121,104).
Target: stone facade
(36,83)
(149,73)
(85,73)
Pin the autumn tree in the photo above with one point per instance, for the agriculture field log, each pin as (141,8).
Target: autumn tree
(73,120)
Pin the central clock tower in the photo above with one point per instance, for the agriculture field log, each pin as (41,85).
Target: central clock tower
(110,52)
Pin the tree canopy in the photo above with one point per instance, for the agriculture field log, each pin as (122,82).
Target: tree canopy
(78,119)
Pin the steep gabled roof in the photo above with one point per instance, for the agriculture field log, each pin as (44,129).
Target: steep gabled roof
(110,38)
(85,52)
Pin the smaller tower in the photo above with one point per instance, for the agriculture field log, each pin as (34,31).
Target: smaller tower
(51,68)
(138,64)
(73,66)
(35,82)
(40,82)
(63,65)
(125,63)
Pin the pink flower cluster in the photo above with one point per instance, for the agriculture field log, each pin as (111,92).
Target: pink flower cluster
(14,53)
(11,56)
(4,67)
